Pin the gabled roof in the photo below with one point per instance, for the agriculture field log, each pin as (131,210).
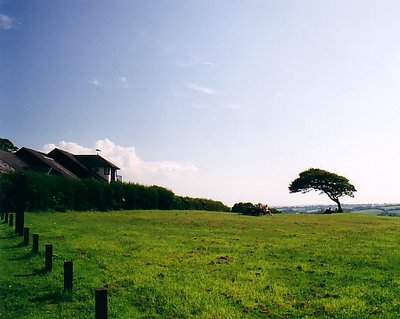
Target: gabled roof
(95,161)
(71,162)
(56,162)
(10,162)
(40,161)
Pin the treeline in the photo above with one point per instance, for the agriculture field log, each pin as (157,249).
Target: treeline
(41,192)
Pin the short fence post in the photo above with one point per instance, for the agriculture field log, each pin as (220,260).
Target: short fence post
(2,215)
(26,236)
(6,218)
(49,257)
(11,220)
(35,245)
(16,223)
(101,303)
(19,222)
(68,275)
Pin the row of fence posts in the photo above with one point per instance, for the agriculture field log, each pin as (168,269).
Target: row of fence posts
(101,305)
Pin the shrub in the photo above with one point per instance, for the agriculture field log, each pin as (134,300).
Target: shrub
(242,208)
(251,209)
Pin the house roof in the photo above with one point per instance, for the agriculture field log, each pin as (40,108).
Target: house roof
(81,165)
(41,161)
(10,162)
(95,161)
(71,162)
(57,162)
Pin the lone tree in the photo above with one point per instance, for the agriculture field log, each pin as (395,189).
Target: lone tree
(331,184)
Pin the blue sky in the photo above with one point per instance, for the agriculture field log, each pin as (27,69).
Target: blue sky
(228,100)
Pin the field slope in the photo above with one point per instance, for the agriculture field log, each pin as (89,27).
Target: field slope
(185,264)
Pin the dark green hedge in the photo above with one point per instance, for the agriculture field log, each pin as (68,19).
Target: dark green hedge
(55,193)
(248,208)
(188,203)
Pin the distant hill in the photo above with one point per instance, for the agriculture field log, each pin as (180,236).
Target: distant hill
(370,209)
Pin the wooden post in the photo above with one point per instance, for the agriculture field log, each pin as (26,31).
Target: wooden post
(20,209)
(19,222)
(6,217)
(15,224)
(101,303)
(48,263)
(11,220)
(26,236)
(35,245)
(68,275)
(2,209)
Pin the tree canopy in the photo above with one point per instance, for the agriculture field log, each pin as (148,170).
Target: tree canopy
(331,184)
(7,146)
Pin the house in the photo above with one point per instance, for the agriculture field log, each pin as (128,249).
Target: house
(100,166)
(86,166)
(59,162)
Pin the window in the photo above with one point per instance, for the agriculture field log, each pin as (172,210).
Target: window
(106,171)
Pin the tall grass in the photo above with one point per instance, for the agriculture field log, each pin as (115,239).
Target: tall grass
(183,264)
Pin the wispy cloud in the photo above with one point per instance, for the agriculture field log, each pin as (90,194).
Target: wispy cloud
(6,22)
(95,82)
(199,88)
(208,63)
(193,61)
(123,81)
(133,168)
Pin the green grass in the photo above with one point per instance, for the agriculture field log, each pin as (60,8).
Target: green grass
(184,264)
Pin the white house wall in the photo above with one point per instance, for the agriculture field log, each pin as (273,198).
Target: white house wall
(100,171)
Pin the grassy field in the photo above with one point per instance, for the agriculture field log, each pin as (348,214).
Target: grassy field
(184,264)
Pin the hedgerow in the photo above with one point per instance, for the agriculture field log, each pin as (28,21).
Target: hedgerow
(42,192)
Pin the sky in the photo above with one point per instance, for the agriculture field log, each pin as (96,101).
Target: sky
(222,99)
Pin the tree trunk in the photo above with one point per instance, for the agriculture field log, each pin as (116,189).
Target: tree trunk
(336,200)
(340,210)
